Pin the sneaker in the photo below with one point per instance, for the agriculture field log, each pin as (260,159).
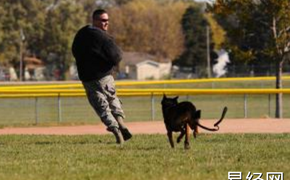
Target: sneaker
(126,134)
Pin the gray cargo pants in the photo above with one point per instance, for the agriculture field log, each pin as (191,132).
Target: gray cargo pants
(102,97)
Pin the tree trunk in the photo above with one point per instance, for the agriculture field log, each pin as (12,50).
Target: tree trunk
(279,100)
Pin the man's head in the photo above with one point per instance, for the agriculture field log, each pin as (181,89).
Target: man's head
(101,19)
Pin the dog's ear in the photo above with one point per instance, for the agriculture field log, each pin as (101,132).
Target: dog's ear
(164,95)
(176,98)
(197,114)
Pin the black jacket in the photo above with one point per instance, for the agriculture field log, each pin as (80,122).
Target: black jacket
(95,52)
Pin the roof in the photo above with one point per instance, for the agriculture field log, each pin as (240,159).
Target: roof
(32,60)
(133,58)
(153,63)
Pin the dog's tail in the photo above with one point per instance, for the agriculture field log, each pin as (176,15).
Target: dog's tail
(222,117)
(217,123)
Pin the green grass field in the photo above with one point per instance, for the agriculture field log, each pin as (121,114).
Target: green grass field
(144,157)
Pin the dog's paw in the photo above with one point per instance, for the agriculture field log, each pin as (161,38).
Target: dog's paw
(186,146)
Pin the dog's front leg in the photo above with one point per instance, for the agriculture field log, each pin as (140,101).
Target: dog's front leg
(194,134)
(181,135)
(169,134)
(195,131)
(187,134)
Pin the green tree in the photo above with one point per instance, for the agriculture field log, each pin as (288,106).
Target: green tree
(218,32)
(39,28)
(194,26)
(10,30)
(256,29)
(21,27)
(2,14)
(63,19)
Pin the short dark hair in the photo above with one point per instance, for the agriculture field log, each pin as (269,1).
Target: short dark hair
(98,12)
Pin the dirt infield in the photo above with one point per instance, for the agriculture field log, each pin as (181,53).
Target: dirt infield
(157,127)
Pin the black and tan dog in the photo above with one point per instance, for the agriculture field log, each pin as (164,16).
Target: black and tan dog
(181,117)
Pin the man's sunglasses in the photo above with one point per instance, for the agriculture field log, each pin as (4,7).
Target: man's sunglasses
(104,20)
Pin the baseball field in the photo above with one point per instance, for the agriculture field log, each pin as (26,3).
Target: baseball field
(78,147)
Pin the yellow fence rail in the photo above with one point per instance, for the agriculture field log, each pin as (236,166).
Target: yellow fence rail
(135,92)
(75,89)
(77,85)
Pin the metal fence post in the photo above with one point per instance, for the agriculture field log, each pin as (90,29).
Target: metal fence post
(59,108)
(187,97)
(269,105)
(152,107)
(245,106)
(36,110)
